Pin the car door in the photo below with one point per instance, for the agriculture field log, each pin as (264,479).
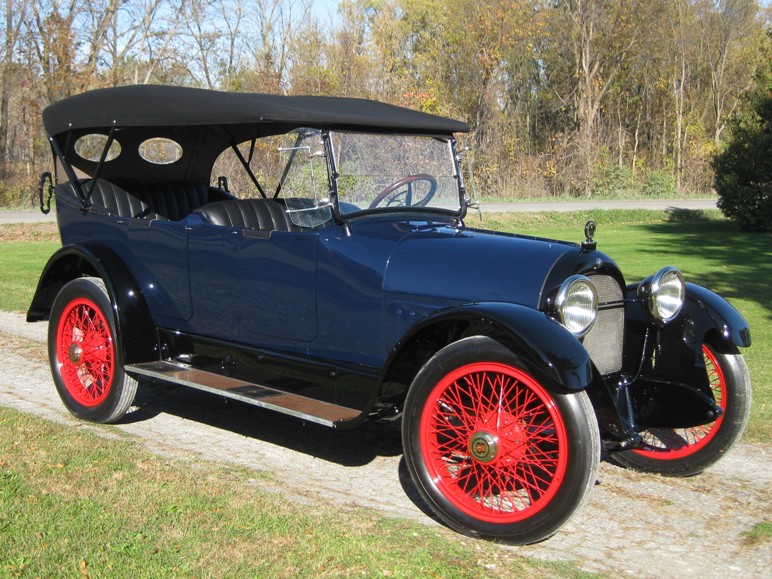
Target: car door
(252,287)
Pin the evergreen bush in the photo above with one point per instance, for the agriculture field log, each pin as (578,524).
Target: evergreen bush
(744,168)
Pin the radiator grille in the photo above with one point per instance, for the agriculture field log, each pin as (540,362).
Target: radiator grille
(604,340)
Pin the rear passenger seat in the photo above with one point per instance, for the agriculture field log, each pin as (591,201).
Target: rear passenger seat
(146,199)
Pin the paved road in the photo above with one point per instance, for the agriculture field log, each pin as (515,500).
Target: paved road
(29,216)
(658,204)
(35,216)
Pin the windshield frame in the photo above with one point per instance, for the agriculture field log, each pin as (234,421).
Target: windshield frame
(334,175)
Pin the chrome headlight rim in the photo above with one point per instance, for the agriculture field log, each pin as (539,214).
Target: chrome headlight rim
(665,294)
(568,306)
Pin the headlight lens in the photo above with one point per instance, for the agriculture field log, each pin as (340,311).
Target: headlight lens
(577,305)
(665,294)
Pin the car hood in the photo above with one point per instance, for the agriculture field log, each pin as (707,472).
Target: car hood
(473,265)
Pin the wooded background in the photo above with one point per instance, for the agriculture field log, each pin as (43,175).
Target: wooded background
(564,97)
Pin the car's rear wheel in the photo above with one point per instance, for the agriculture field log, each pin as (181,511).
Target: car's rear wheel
(689,451)
(494,452)
(85,355)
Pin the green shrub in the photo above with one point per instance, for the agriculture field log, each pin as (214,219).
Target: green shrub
(13,195)
(614,180)
(659,184)
(744,168)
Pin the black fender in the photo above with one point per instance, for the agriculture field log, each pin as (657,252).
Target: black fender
(550,352)
(134,323)
(705,317)
(672,387)
(713,315)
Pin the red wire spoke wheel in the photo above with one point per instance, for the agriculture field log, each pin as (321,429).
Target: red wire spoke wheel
(675,443)
(689,451)
(491,449)
(494,441)
(84,353)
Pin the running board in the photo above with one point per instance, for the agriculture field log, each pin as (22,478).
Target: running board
(324,413)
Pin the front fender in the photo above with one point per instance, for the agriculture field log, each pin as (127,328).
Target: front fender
(712,314)
(705,318)
(550,351)
(134,323)
(671,388)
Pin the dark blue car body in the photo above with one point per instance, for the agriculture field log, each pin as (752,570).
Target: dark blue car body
(334,320)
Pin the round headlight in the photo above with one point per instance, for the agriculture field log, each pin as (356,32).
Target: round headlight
(576,305)
(666,294)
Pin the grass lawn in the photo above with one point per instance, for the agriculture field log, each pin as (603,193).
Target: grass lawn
(74,504)
(24,250)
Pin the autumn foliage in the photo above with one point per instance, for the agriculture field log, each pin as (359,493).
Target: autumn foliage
(577,97)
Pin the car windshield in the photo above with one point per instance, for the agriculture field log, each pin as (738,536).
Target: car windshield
(376,171)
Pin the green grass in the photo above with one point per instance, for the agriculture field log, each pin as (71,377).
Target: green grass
(76,504)
(759,533)
(24,250)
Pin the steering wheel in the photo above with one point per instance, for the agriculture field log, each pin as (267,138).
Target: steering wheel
(392,195)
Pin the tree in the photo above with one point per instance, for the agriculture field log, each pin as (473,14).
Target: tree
(14,17)
(729,31)
(596,36)
(744,169)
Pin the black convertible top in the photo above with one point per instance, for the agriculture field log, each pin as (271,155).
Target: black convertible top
(167,106)
(205,122)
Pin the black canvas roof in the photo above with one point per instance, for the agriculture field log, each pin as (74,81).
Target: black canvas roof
(167,106)
(204,123)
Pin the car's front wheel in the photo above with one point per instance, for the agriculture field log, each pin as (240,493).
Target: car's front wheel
(494,452)
(85,355)
(689,451)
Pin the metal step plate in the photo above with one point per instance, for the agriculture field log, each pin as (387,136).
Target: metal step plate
(292,404)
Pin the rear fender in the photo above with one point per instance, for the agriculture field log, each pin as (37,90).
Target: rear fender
(549,351)
(134,324)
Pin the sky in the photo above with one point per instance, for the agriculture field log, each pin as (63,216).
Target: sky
(325,8)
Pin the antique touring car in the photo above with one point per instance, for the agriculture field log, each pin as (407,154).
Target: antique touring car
(309,255)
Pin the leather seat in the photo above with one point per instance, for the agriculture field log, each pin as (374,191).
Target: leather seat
(170,201)
(265,214)
(147,199)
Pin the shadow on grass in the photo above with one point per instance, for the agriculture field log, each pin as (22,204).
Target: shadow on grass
(678,215)
(716,254)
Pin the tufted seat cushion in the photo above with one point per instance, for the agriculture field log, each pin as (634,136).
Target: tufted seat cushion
(265,214)
(149,200)
(170,201)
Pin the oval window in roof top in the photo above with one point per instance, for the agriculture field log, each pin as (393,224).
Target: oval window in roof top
(90,148)
(160,151)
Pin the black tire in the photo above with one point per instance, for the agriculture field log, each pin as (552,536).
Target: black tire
(493,452)
(85,355)
(689,451)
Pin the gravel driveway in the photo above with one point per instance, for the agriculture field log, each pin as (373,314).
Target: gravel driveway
(632,524)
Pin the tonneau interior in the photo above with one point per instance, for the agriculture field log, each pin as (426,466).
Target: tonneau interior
(146,199)
(173,201)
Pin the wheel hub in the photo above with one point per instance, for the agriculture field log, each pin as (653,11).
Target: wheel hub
(75,353)
(484,446)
